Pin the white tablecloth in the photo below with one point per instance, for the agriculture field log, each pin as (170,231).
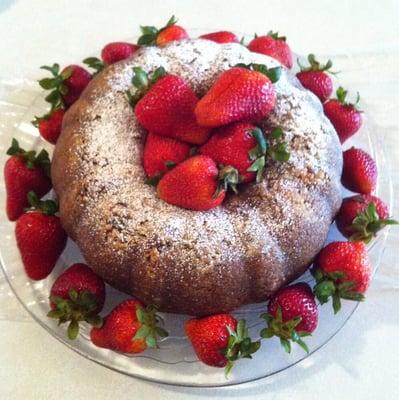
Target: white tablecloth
(361,362)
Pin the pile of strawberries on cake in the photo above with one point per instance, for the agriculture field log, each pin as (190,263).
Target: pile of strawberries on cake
(195,149)
(230,148)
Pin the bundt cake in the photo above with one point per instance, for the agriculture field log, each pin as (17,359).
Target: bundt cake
(186,261)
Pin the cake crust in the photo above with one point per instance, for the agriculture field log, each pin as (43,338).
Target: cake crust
(184,261)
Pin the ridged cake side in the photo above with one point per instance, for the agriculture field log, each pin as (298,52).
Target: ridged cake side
(187,261)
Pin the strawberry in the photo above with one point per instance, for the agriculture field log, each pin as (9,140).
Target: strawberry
(40,237)
(24,171)
(129,328)
(342,271)
(160,153)
(117,51)
(315,78)
(361,217)
(292,314)
(345,117)
(78,294)
(244,92)
(110,54)
(170,32)
(274,46)
(359,172)
(50,125)
(66,86)
(164,104)
(241,145)
(219,340)
(197,184)
(221,37)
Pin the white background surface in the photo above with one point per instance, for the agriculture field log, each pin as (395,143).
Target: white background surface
(362,361)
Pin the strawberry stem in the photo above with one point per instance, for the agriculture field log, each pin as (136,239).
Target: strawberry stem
(149,330)
(94,63)
(30,158)
(239,345)
(80,306)
(272,73)
(275,36)
(47,207)
(142,82)
(284,330)
(228,178)
(315,65)
(367,224)
(341,94)
(333,285)
(150,33)
(56,85)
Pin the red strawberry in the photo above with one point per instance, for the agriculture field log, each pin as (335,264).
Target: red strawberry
(244,147)
(315,78)
(292,314)
(344,116)
(359,172)
(219,340)
(110,54)
(160,153)
(342,271)
(153,36)
(117,51)
(239,94)
(40,237)
(24,171)
(50,125)
(166,106)
(221,37)
(197,184)
(232,144)
(170,34)
(129,328)
(78,294)
(274,46)
(361,217)
(66,86)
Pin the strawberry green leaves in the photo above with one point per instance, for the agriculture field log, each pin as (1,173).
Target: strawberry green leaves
(55,84)
(367,224)
(278,151)
(47,207)
(94,63)
(315,65)
(30,158)
(342,95)
(149,330)
(150,33)
(272,73)
(142,82)
(275,36)
(78,307)
(264,149)
(285,330)
(332,285)
(239,345)
(258,154)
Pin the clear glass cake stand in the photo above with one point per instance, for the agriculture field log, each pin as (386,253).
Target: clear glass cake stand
(174,363)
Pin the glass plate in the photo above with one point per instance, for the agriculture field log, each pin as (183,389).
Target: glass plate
(174,362)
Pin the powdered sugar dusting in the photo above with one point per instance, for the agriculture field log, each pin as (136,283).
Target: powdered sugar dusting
(246,248)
